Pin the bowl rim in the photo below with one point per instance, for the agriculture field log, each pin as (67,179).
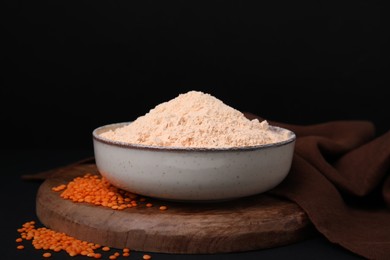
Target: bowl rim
(97,137)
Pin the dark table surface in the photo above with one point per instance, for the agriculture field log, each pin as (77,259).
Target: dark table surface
(19,199)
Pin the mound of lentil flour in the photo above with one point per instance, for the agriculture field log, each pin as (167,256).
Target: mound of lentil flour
(195,119)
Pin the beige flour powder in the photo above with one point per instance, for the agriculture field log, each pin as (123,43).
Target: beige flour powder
(195,119)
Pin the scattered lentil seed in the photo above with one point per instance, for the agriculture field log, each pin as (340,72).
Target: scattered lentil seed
(47,239)
(97,190)
(87,189)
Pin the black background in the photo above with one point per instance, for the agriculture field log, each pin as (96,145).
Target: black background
(73,66)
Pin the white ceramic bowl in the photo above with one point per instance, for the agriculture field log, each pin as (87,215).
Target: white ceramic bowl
(192,174)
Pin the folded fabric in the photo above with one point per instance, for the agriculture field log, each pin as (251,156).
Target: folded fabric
(340,176)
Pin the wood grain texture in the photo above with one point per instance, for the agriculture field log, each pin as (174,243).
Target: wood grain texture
(251,223)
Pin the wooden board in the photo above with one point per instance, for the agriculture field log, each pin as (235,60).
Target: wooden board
(251,223)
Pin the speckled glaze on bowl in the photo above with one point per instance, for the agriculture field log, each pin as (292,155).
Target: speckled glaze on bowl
(192,174)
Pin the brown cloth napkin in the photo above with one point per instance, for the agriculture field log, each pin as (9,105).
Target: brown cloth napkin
(340,176)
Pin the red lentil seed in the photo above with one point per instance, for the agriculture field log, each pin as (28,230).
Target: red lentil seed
(46,255)
(146,257)
(163,207)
